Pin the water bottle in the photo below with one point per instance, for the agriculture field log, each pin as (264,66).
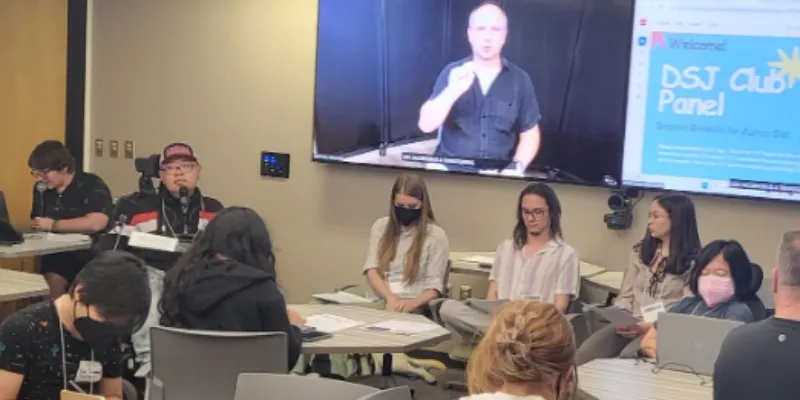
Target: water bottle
(465,292)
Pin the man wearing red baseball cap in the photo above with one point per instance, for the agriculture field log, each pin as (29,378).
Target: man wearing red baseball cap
(178,210)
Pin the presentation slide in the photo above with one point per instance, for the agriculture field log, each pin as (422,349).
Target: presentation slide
(714,94)
(514,88)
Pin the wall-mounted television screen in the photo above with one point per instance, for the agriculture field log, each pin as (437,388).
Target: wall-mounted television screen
(714,98)
(533,89)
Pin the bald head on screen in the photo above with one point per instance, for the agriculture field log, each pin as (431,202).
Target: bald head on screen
(487,31)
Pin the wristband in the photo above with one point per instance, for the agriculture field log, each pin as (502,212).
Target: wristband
(53,227)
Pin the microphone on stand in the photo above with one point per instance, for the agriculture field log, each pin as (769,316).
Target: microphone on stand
(41,187)
(183,192)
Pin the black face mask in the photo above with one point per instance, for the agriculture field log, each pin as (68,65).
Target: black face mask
(407,216)
(98,335)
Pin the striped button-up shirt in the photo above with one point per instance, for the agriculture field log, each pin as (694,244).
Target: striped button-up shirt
(555,269)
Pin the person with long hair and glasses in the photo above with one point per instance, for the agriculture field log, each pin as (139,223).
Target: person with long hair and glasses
(408,251)
(534,264)
(227,282)
(721,282)
(528,353)
(656,279)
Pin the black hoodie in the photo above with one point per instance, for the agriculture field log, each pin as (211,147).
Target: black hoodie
(229,296)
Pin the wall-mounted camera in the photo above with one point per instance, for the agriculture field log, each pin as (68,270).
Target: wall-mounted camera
(621,202)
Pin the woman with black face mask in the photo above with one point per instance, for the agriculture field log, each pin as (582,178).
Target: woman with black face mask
(408,251)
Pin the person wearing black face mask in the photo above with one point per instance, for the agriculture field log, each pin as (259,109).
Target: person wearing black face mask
(73,341)
(407,216)
(408,251)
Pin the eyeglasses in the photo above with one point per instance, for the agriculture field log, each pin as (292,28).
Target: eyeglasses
(176,168)
(535,213)
(39,172)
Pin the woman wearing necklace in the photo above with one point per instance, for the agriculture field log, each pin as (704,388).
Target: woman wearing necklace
(656,279)
(721,282)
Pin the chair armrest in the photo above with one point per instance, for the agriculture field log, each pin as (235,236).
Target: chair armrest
(143,371)
(580,327)
(434,306)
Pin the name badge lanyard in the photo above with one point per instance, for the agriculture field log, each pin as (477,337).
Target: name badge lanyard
(694,312)
(64,360)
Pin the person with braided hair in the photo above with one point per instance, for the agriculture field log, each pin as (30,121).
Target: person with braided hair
(528,353)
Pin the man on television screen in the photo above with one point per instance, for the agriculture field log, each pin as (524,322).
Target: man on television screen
(484,107)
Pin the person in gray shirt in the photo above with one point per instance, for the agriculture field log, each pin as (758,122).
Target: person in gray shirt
(721,281)
(760,360)
(408,252)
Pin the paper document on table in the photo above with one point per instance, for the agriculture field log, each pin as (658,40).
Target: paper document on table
(331,323)
(151,241)
(67,237)
(341,298)
(478,259)
(616,316)
(402,327)
(590,269)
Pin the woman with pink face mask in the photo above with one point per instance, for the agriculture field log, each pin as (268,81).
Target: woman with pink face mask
(721,280)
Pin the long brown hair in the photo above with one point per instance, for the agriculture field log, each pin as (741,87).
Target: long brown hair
(528,343)
(410,185)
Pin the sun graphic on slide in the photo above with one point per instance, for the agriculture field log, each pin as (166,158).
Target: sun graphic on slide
(789,67)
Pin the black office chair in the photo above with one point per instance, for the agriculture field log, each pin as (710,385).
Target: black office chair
(752,300)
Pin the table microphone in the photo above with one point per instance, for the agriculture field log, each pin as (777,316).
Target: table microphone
(41,187)
(183,192)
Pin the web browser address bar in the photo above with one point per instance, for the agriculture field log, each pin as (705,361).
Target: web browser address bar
(737,9)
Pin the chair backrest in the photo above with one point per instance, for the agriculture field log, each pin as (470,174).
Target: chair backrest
(753,301)
(446,279)
(397,393)
(190,364)
(293,387)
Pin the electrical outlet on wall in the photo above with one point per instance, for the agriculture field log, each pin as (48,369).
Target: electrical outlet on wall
(130,153)
(98,147)
(113,148)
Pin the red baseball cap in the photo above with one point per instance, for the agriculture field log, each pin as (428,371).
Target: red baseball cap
(177,151)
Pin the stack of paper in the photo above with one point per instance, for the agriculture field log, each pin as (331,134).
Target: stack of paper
(67,237)
(402,327)
(331,323)
(341,298)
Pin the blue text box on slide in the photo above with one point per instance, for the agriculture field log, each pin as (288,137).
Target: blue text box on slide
(723,107)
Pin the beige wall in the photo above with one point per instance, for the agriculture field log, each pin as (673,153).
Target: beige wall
(236,77)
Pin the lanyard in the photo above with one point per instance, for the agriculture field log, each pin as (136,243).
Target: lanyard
(694,312)
(64,359)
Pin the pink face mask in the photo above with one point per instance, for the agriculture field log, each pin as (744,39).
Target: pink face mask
(715,290)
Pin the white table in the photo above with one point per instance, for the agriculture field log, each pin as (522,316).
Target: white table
(38,245)
(608,280)
(618,379)
(360,340)
(16,285)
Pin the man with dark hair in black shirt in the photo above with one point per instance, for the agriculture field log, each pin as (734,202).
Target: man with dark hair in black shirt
(74,340)
(484,107)
(65,201)
(760,360)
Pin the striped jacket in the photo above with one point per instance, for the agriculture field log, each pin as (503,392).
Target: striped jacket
(159,214)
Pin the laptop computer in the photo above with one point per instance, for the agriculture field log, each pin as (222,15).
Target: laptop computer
(8,234)
(689,343)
